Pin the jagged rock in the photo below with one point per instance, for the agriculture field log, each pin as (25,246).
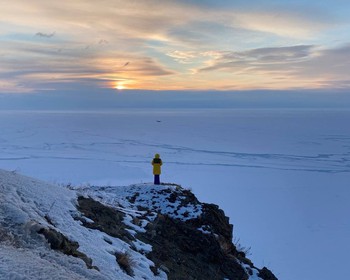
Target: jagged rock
(214,219)
(266,274)
(186,248)
(188,253)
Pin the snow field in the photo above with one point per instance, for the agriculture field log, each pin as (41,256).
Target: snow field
(280,175)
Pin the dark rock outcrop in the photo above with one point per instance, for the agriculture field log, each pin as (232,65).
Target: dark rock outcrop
(106,219)
(189,254)
(185,248)
(61,243)
(266,274)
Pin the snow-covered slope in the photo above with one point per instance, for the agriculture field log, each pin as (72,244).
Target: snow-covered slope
(29,207)
(25,203)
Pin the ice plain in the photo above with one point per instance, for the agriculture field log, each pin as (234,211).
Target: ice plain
(282,176)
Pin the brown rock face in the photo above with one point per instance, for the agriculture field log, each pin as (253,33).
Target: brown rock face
(185,246)
(188,253)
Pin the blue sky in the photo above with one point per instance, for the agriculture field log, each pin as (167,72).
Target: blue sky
(174,45)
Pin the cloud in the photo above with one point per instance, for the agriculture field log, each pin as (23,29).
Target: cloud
(37,65)
(329,66)
(13,86)
(102,41)
(152,43)
(164,20)
(301,22)
(301,66)
(183,56)
(263,58)
(45,35)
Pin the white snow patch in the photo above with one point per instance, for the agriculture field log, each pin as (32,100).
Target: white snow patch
(204,229)
(142,247)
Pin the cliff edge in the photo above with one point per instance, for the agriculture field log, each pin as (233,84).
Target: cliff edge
(131,232)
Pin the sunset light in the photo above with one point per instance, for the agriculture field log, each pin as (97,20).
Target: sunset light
(174,45)
(119,87)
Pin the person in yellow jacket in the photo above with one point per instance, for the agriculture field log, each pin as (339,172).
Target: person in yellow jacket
(157,163)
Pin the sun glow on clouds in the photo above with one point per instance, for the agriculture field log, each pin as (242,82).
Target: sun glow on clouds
(170,45)
(119,86)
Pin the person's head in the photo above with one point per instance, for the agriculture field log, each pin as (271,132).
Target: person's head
(157,156)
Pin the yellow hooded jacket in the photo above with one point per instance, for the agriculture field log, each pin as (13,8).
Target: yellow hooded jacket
(157,163)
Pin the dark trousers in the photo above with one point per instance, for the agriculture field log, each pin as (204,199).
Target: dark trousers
(156,180)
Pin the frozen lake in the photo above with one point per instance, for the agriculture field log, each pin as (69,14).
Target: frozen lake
(282,176)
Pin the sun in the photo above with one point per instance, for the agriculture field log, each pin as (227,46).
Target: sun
(119,85)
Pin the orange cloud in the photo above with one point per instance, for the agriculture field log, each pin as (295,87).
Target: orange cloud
(163,45)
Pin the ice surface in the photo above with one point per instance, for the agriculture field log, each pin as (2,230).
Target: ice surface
(280,175)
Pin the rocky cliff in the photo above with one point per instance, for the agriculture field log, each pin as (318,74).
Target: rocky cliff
(133,232)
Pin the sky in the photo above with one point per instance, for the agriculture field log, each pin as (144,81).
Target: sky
(179,45)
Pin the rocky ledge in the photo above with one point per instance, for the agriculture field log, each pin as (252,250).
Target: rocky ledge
(189,239)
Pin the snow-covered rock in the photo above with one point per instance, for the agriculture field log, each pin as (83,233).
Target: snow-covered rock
(130,232)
